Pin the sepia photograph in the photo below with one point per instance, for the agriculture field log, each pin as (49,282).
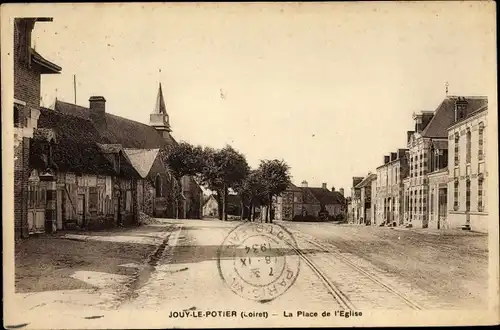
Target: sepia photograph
(231,165)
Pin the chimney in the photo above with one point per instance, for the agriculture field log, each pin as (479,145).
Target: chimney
(323,185)
(393,156)
(97,105)
(386,159)
(333,189)
(341,190)
(304,184)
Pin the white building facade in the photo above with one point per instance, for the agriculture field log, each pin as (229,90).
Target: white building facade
(468,172)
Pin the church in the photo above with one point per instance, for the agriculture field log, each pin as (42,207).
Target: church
(104,169)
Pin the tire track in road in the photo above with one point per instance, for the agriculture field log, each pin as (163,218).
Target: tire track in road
(346,299)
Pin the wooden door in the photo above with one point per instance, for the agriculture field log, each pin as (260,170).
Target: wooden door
(81,210)
(36,208)
(442,205)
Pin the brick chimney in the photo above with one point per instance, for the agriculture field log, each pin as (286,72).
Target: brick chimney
(386,159)
(323,185)
(304,184)
(97,105)
(333,189)
(393,156)
(341,190)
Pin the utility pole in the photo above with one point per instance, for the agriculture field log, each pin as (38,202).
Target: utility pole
(74,85)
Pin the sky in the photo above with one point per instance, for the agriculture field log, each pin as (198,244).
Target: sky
(329,88)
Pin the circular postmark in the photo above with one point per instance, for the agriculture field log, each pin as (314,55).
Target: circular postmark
(258,261)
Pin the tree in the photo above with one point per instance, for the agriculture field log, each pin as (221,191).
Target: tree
(251,192)
(232,169)
(275,179)
(182,159)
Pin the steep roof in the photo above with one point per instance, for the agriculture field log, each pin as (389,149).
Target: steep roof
(444,116)
(76,149)
(119,130)
(160,107)
(369,178)
(327,197)
(292,187)
(142,159)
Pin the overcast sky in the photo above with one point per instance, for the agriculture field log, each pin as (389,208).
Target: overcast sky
(328,88)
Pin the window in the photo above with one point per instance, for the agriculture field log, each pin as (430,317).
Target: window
(481,141)
(457,140)
(17,120)
(455,195)
(467,195)
(468,147)
(128,201)
(480,183)
(158,190)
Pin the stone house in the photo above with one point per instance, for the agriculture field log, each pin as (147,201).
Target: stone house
(29,65)
(354,212)
(365,200)
(308,202)
(211,207)
(428,139)
(389,201)
(467,166)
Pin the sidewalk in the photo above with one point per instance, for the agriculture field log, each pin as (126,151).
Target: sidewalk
(85,272)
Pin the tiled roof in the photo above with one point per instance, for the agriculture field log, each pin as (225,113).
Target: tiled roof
(76,149)
(327,197)
(119,130)
(444,116)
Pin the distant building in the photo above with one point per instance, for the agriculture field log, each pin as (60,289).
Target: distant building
(354,213)
(390,189)
(467,166)
(309,203)
(211,207)
(365,200)
(233,206)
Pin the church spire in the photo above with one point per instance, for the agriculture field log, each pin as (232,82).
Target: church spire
(160,107)
(159,117)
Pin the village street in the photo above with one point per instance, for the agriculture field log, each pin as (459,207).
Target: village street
(89,279)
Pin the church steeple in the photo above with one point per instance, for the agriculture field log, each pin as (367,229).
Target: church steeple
(159,117)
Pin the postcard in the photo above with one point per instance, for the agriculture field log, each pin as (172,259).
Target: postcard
(236,165)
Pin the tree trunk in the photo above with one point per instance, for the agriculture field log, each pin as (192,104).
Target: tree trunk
(269,207)
(267,214)
(224,200)
(219,205)
(242,210)
(253,213)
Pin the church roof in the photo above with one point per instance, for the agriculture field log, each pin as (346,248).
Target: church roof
(119,130)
